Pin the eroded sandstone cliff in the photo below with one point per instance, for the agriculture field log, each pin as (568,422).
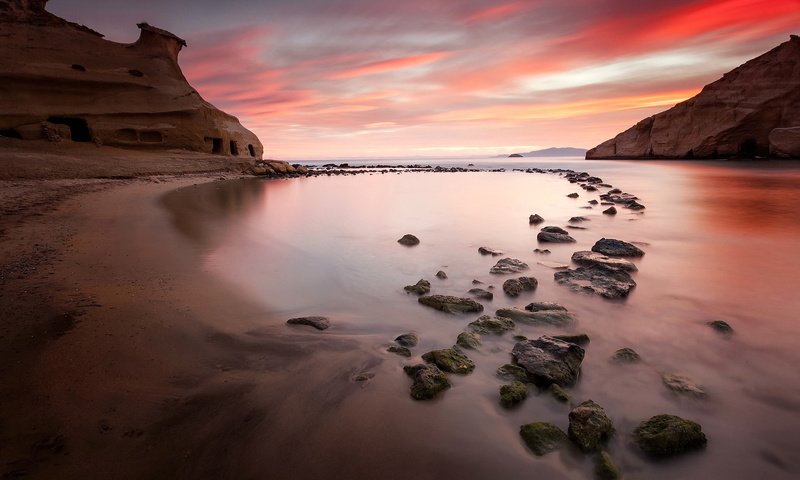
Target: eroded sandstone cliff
(63,82)
(752,111)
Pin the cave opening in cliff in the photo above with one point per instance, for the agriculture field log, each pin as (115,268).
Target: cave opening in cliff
(10,133)
(216,144)
(251,149)
(748,148)
(79,129)
(234,148)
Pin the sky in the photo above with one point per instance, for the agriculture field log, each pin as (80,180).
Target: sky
(370,78)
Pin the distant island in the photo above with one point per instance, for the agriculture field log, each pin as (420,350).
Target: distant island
(551,152)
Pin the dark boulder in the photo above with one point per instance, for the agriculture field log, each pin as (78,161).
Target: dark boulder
(617,248)
(450,304)
(548,360)
(408,240)
(514,286)
(589,426)
(320,323)
(606,282)
(428,381)
(667,435)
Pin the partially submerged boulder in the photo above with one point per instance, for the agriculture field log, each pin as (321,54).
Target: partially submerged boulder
(587,258)
(617,248)
(441,275)
(399,350)
(487,325)
(589,426)
(468,340)
(489,251)
(604,467)
(535,219)
(481,293)
(422,287)
(551,237)
(320,323)
(668,435)
(544,306)
(514,286)
(625,355)
(542,437)
(407,339)
(450,304)
(450,360)
(408,240)
(508,265)
(513,393)
(600,280)
(510,371)
(428,381)
(683,385)
(548,360)
(558,318)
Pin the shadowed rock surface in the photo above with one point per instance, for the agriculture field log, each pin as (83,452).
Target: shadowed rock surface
(428,381)
(589,426)
(512,372)
(616,248)
(578,339)
(544,306)
(743,114)
(667,435)
(548,360)
(600,280)
(450,304)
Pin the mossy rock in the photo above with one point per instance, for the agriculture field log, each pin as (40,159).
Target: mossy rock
(429,381)
(399,350)
(626,355)
(513,393)
(492,325)
(589,426)
(604,467)
(450,360)
(542,437)
(469,340)
(559,393)
(422,287)
(512,372)
(667,435)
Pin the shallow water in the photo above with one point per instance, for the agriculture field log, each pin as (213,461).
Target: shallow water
(721,243)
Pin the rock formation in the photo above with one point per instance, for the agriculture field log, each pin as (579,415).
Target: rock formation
(63,81)
(753,110)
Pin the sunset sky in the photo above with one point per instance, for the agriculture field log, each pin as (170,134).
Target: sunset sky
(370,78)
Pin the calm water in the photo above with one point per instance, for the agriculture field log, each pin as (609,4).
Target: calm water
(722,243)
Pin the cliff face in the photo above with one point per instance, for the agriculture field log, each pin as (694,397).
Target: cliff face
(753,110)
(63,81)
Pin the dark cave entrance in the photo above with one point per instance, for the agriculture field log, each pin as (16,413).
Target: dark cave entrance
(78,128)
(234,148)
(748,148)
(252,150)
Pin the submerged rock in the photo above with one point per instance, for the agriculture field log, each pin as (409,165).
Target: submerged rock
(450,360)
(422,287)
(721,326)
(535,219)
(542,437)
(544,306)
(399,350)
(610,211)
(573,195)
(578,219)
(553,265)
(508,265)
(554,234)
(589,426)
(489,251)
(600,280)
(604,467)
(428,381)
(559,393)
(469,340)
(578,339)
(548,360)
(450,304)
(554,229)
(587,258)
(558,318)
(408,240)
(512,372)
(617,248)
(541,251)
(667,435)
(320,323)
(514,286)
(625,355)
(487,325)
(513,393)
(407,339)
(481,293)
(441,275)
(683,385)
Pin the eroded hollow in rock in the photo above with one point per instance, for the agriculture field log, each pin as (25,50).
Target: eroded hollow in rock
(234,147)
(79,129)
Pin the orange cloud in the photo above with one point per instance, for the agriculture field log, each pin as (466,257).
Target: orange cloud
(391,65)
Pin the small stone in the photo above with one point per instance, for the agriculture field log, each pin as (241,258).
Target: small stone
(514,286)
(320,323)
(554,234)
(683,385)
(399,350)
(544,306)
(604,467)
(481,293)
(573,195)
(487,325)
(408,240)
(422,287)
(578,219)
(721,326)
(634,205)
(407,339)
(450,360)
(535,219)
(519,338)
(363,377)
(617,248)
(559,393)
(512,372)
(610,211)
(667,435)
(489,251)
(441,275)
(542,437)
(542,251)
(625,355)
(450,304)
(468,340)
(513,393)
(477,282)
(428,381)
(589,426)
(593,202)
(578,339)
(508,265)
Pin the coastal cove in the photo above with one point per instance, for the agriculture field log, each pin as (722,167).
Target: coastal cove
(183,362)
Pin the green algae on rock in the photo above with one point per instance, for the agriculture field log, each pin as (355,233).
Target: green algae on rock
(542,437)
(513,393)
(667,435)
(450,360)
(429,381)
